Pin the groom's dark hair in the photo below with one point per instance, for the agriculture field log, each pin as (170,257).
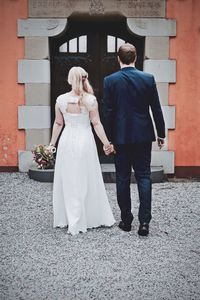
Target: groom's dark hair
(127,53)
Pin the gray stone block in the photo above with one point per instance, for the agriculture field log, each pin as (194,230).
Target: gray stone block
(169,116)
(165,159)
(163,91)
(163,70)
(37,94)
(41,27)
(33,71)
(33,117)
(152,26)
(25,160)
(157,47)
(37,136)
(36,47)
(65,8)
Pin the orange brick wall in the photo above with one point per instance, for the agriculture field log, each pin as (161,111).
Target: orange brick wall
(185,94)
(11,93)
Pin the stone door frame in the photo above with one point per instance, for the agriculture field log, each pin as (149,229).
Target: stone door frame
(34,72)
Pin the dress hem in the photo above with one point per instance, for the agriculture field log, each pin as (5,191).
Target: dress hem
(84,231)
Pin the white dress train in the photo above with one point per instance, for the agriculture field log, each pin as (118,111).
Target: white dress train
(79,196)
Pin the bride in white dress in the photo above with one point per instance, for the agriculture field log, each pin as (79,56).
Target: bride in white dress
(79,196)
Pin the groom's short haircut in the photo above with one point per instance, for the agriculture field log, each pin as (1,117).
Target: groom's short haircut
(127,53)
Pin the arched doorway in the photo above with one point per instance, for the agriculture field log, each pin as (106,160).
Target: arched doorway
(92,45)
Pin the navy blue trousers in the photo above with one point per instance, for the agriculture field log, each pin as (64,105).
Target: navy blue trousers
(138,157)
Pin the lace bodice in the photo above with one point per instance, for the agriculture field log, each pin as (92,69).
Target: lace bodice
(64,99)
(75,119)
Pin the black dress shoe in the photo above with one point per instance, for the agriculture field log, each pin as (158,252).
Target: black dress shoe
(124,227)
(143,229)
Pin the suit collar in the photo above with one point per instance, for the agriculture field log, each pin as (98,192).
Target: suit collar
(127,68)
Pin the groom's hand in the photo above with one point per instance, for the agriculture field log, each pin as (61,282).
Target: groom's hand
(161,142)
(113,149)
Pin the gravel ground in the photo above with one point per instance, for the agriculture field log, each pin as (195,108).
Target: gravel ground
(39,262)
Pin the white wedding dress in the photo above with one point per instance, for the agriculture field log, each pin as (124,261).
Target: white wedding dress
(79,196)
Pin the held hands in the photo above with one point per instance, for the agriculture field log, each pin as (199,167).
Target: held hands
(161,142)
(108,149)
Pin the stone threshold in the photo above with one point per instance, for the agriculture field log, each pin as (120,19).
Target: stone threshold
(108,171)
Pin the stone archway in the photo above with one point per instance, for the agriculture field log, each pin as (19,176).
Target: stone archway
(34,72)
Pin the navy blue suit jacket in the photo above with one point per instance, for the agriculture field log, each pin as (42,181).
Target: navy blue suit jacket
(128,95)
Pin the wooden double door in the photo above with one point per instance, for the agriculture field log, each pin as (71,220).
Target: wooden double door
(93,46)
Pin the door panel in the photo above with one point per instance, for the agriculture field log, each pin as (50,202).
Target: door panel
(92,46)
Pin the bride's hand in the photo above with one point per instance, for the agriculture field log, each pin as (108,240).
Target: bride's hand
(51,148)
(108,148)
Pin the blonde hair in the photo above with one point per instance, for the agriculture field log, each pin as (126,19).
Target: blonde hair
(78,79)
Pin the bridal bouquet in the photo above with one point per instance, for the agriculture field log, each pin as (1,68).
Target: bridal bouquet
(44,156)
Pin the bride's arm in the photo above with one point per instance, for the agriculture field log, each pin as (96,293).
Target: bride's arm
(57,126)
(98,127)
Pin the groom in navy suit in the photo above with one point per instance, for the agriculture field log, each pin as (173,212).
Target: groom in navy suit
(128,95)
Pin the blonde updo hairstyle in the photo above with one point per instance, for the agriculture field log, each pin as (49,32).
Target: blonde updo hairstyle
(78,79)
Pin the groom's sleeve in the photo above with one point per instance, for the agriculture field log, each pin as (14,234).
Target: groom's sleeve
(108,110)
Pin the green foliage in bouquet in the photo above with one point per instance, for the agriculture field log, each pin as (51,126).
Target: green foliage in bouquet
(44,156)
